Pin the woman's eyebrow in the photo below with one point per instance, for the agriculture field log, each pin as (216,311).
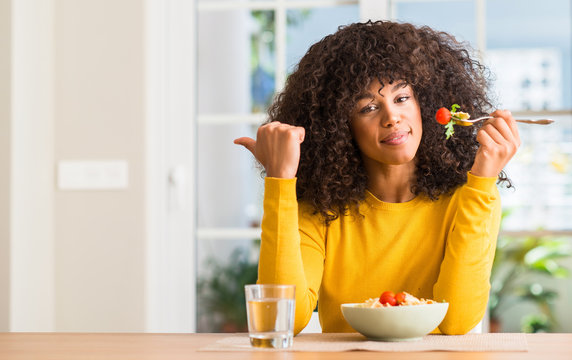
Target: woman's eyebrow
(364,96)
(399,85)
(368,95)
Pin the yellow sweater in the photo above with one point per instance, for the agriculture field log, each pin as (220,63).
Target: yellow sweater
(441,250)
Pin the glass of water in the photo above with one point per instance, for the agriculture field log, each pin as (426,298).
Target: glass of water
(270,312)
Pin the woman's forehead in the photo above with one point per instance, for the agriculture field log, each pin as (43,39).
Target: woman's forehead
(379,85)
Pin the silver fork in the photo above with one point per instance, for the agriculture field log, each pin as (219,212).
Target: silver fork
(525,121)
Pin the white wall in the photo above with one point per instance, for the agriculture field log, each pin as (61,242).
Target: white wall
(100,114)
(5,153)
(74,85)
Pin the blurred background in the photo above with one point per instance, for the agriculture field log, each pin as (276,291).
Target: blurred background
(125,206)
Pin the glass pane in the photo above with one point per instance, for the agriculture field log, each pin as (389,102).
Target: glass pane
(230,187)
(235,61)
(528,78)
(307,26)
(529,52)
(262,59)
(224,267)
(542,174)
(454,17)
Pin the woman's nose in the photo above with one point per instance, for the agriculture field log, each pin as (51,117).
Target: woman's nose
(390,119)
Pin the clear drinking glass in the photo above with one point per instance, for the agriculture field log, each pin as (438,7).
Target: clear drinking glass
(270,312)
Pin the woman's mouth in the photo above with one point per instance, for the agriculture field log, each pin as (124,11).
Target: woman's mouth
(396,138)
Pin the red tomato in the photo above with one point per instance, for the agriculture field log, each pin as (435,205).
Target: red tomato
(400,298)
(388,297)
(443,116)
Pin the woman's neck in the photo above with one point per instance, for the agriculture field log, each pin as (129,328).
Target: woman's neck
(391,183)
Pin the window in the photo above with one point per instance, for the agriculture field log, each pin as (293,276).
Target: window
(532,69)
(246,49)
(527,45)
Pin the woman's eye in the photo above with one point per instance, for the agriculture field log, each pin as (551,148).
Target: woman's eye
(368,109)
(402,99)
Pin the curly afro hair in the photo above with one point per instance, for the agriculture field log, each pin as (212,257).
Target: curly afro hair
(322,91)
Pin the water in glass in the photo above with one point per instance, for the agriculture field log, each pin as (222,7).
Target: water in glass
(271,321)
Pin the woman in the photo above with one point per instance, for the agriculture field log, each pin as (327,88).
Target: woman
(363,192)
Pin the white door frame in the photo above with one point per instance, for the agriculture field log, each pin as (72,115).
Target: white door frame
(171,159)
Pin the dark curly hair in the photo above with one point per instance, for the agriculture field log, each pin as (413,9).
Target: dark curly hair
(322,91)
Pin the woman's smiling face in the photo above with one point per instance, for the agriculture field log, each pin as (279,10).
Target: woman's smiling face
(386,124)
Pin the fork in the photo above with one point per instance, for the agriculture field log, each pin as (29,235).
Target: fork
(525,121)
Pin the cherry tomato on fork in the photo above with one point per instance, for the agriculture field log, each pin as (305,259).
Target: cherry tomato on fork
(388,297)
(443,116)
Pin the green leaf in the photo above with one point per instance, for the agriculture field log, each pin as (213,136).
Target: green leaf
(454,107)
(550,267)
(561,273)
(534,323)
(547,250)
(536,294)
(449,130)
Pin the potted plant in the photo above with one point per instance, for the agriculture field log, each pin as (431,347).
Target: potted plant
(221,294)
(519,265)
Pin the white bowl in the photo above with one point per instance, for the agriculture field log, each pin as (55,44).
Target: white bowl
(395,323)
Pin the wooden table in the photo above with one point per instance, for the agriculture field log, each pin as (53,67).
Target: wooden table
(64,346)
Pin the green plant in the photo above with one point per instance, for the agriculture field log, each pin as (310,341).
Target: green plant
(221,294)
(520,264)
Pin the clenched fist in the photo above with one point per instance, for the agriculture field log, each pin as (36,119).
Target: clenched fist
(499,140)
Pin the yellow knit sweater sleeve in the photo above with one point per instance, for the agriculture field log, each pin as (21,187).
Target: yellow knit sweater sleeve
(469,253)
(292,247)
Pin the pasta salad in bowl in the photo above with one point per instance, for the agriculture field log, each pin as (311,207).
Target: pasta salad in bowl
(395,317)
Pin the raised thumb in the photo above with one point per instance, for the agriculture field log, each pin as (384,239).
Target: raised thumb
(247,142)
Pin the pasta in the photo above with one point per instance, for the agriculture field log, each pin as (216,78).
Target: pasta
(409,300)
